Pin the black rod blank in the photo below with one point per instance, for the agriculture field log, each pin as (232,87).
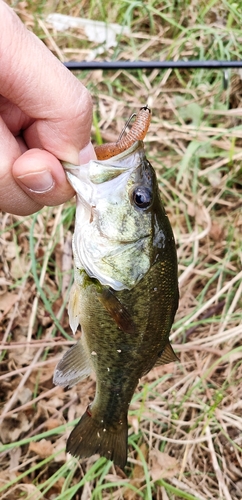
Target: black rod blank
(129,65)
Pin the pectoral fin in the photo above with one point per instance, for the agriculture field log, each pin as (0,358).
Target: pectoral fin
(73,367)
(74,308)
(118,312)
(166,356)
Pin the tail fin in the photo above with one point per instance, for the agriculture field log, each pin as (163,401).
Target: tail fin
(87,438)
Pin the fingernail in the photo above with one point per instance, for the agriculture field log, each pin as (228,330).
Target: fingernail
(86,154)
(38,182)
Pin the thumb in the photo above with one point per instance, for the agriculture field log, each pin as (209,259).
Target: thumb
(41,176)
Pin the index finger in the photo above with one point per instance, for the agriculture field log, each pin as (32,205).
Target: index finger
(44,89)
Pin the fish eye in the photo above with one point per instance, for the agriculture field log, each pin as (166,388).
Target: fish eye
(142,197)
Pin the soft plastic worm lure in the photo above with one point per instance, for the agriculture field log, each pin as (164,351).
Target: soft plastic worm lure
(137,132)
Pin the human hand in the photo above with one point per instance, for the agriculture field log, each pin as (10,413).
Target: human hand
(45,116)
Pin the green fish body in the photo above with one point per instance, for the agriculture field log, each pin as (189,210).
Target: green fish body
(125,294)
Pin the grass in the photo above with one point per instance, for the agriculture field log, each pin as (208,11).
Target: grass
(185,419)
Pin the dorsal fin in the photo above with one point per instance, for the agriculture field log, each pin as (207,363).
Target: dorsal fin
(167,356)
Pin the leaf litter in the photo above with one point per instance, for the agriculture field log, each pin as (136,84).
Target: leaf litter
(185,418)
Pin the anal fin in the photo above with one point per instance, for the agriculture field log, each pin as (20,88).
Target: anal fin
(167,356)
(73,367)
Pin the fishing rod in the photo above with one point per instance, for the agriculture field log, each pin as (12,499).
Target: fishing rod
(130,65)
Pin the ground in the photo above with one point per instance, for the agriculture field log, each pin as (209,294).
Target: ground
(185,419)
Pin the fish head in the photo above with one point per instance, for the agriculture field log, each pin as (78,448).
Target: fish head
(117,201)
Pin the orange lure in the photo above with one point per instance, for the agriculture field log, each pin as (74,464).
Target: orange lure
(137,132)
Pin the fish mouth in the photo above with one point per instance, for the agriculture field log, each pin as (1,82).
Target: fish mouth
(90,181)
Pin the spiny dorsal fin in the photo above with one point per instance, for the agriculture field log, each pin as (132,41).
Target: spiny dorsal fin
(167,356)
(73,367)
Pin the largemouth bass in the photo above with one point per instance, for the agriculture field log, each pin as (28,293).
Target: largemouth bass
(125,294)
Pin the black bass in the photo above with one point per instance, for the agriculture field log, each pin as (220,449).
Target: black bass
(125,294)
